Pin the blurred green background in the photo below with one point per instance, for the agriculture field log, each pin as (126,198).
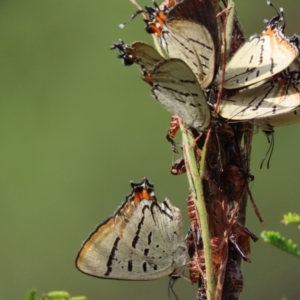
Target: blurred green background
(76,126)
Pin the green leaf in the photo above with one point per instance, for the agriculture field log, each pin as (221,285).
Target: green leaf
(57,295)
(291,218)
(31,295)
(280,242)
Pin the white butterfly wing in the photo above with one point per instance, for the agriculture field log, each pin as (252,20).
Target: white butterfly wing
(157,246)
(270,99)
(261,57)
(286,119)
(146,55)
(169,221)
(192,43)
(177,89)
(140,242)
(104,254)
(172,232)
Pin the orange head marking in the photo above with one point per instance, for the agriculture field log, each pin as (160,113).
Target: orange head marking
(152,28)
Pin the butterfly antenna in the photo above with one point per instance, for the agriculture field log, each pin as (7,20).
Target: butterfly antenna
(172,280)
(272,148)
(139,11)
(122,25)
(270,138)
(282,18)
(279,17)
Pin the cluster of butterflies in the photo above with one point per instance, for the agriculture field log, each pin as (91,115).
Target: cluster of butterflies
(143,239)
(260,82)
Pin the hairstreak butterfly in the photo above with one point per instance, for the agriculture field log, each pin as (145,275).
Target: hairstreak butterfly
(141,241)
(277,96)
(188,31)
(262,56)
(175,86)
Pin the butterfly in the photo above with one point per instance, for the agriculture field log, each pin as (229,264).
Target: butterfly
(174,85)
(262,56)
(142,240)
(188,31)
(276,97)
